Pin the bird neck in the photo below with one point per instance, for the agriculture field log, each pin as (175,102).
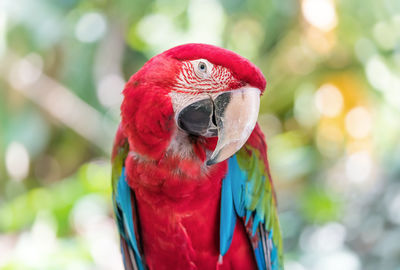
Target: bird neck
(172,178)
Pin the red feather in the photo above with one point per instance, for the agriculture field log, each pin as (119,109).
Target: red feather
(178,199)
(241,68)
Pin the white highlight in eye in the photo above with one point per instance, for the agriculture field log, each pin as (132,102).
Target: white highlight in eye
(202,67)
(202,73)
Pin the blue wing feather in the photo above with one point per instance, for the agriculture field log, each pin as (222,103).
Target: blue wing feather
(259,252)
(124,203)
(239,189)
(238,182)
(125,220)
(228,216)
(123,199)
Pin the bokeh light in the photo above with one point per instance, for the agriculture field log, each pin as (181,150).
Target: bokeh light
(329,100)
(320,13)
(358,123)
(90,27)
(17,161)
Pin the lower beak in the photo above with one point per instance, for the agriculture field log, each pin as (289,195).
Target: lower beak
(236,115)
(231,116)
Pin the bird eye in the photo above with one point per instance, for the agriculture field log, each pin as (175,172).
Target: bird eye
(202,67)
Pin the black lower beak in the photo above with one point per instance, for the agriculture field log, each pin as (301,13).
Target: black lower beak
(231,116)
(199,119)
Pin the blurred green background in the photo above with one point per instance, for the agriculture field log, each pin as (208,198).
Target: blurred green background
(331,114)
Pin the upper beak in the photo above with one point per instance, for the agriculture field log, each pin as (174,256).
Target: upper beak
(231,115)
(236,113)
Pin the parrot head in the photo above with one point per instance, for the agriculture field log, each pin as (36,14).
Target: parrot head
(194,100)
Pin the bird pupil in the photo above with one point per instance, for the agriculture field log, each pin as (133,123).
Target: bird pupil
(202,66)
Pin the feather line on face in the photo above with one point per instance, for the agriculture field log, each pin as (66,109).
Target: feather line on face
(191,80)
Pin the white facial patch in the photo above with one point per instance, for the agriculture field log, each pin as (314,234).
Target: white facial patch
(182,100)
(202,76)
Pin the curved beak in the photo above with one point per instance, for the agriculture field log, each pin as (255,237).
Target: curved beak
(231,115)
(236,115)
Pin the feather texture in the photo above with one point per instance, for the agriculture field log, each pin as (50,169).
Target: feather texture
(241,68)
(124,207)
(247,188)
(167,205)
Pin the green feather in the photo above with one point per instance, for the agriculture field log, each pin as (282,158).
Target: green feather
(260,195)
(118,163)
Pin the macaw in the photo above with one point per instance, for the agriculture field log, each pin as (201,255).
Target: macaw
(190,176)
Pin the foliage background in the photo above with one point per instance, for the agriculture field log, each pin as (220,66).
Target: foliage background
(330,114)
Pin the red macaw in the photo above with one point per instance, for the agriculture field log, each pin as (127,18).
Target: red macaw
(191,182)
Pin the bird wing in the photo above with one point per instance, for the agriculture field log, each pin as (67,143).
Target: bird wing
(125,209)
(248,195)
